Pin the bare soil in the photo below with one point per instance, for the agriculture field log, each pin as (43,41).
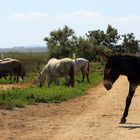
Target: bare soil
(94,116)
(15,86)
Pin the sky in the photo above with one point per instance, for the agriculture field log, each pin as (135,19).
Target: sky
(27,22)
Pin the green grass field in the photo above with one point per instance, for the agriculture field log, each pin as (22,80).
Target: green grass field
(55,94)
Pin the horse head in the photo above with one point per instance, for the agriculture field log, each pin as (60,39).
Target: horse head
(111,71)
(41,78)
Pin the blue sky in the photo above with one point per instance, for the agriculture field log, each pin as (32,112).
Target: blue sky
(27,22)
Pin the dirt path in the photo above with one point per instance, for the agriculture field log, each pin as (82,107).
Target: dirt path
(94,116)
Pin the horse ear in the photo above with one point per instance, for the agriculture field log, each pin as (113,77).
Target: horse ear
(104,56)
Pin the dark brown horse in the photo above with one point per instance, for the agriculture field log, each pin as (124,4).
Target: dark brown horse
(12,67)
(127,65)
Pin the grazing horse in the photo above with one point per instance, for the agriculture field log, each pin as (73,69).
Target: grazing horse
(58,68)
(22,73)
(82,64)
(12,67)
(127,65)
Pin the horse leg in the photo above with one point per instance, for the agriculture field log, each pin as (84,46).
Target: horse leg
(87,75)
(17,78)
(132,88)
(49,82)
(87,72)
(5,77)
(57,81)
(10,76)
(83,75)
(67,81)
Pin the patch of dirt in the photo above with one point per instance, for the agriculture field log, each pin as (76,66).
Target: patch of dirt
(15,86)
(94,116)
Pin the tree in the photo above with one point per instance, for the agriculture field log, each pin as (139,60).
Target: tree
(61,43)
(96,37)
(84,48)
(130,44)
(112,38)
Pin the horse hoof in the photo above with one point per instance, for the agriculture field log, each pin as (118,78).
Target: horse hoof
(122,121)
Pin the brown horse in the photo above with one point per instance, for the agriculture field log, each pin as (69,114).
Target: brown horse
(12,67)
(127,65)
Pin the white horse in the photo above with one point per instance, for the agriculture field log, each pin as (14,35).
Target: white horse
(82,64)
(58,68)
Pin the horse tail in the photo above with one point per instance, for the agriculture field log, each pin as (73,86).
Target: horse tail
(17,66)
(87,74)
(72,74)
(88,67)
(22,71)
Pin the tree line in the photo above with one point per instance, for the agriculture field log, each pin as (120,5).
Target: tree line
(64,42)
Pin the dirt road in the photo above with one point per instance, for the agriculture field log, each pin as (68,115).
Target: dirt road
(94,116)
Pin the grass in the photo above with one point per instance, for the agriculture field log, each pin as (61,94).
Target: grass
(54,94)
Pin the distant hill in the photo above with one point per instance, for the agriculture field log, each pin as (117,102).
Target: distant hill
(24,49)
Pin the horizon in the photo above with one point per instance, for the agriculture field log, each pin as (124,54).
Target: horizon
(24,46)
(27,22)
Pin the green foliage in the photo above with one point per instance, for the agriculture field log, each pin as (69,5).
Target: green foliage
(96,37)
(130,44)
(112,36)
(61,42)
(84,48)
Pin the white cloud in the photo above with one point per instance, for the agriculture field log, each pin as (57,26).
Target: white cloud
(20,16)
(91,15)
(80,15)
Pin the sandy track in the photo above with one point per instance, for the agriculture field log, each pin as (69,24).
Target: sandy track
(94,116)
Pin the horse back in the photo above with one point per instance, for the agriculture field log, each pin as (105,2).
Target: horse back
(132,69)
(11,66)
(67,66)
(59,67)
(64,65)
(81,63)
